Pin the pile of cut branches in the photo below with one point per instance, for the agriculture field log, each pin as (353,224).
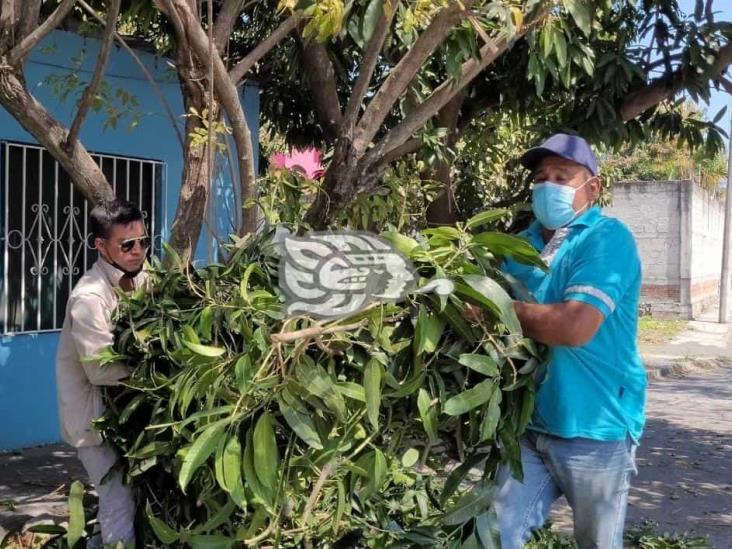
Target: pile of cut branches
(239,427)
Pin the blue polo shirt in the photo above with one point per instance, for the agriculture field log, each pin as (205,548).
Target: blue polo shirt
(598,390)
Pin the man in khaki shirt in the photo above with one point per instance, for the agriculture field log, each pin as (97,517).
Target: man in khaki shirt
(122,242)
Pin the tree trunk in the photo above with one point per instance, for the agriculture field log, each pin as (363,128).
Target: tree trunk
(195,188)
(345,178)
(442,210)
(83,171)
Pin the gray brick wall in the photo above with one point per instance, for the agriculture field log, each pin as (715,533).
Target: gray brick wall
(678,227)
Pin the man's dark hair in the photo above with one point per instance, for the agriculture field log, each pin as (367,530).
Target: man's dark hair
(114,212)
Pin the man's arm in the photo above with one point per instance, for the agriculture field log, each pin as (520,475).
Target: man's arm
(91,333)
(571,323)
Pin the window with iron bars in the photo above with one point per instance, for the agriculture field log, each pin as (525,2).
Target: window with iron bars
(46,246)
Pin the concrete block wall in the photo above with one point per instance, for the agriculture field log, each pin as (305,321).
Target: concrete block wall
(707,231)
(678,228)
(651,209)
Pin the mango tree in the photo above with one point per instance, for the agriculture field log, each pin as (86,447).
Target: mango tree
(386,78)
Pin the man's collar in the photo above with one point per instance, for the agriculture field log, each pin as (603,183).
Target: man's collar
(588,218)
(113,274)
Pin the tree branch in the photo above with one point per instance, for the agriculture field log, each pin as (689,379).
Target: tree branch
(225,21)
(240,70)
(726,84)
(441,211)
(145,72)
(20,51)
(403,73)
(8,13)
(90,92)
(440,97)
(667,86)
(368,65)
(321,78)
(83,171)
(228,96)
(408,147)
(28,18)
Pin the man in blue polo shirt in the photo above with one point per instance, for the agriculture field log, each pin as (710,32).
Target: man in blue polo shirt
(591,392)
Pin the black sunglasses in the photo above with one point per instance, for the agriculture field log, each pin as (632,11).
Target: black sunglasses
(128,244)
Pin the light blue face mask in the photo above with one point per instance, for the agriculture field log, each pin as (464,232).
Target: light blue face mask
(552,203)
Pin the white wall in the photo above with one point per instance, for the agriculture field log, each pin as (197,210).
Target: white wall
(707,228)
(678,227)
(652,212)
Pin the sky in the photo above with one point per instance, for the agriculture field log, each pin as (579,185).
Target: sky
(719,99)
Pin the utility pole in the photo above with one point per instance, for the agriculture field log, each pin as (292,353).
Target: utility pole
(724,281)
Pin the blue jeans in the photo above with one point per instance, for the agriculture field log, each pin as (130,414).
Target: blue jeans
(593,475)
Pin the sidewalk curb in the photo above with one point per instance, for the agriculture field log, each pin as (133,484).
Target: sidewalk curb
(663,366)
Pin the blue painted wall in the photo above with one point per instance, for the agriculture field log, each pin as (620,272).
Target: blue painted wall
(28,411)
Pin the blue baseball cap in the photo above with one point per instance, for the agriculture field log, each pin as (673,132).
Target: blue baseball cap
(571,147)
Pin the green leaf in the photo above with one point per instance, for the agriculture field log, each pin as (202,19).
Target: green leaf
(377,473)
(403,244)
(351,390)
(243,372)
(266,454)
(410,457)
(446,232)
(299,420)
(198,452)
(371,19)
(210,541)
(131,407)
(50,529)
(480,363)
(231,470)
(486,524)
(165,533)
(354,30)
(517,248)
(341,507)
(372,388)
(428,414)
(317,382)
(719,115)
(580,12)
(469,506)
(560,46)
(547,41)
(428,331)
(486,217)
(76,514)
(491,417)
(205,323)
(243,284)
(457,475)
(250,476)
(470,399)
(204,350)
(495,293)
(472,542)
(527,410)
(190,334)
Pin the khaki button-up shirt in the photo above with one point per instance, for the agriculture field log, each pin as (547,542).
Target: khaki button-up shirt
(87,330)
